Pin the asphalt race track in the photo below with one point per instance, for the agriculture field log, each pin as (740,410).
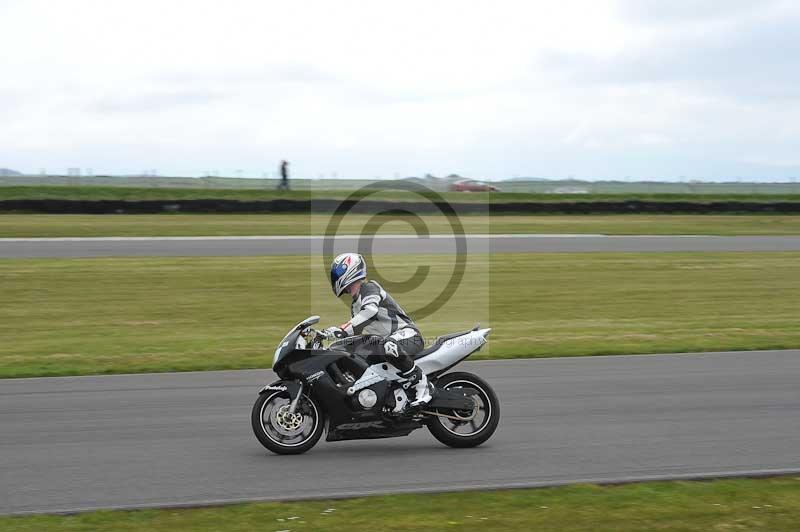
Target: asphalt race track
(77,443)
(291,245)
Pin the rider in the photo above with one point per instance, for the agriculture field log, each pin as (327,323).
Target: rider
(375,312)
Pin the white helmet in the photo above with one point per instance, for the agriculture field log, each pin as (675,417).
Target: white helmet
(346,269)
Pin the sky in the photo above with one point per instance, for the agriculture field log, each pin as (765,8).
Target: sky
(639,89)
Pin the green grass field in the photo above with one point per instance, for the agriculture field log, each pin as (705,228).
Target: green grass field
(87,225)
(116,315)
(768,505)
(75,192)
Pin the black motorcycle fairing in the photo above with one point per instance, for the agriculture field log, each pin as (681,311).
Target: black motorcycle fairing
(303,363)
(370,430)
(345,410)
(282,386)
(362,345)
(315,368)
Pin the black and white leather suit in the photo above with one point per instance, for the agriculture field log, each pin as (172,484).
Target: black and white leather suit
(375,312)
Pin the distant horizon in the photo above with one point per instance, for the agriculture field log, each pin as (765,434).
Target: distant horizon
(631,179)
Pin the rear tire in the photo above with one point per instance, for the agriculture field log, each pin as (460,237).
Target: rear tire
(474,430)
(282,432)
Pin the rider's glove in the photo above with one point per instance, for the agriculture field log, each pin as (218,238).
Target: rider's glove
(334,332)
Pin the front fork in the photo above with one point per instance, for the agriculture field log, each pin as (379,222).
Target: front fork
(293,404)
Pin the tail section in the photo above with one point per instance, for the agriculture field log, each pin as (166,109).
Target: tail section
(453,351)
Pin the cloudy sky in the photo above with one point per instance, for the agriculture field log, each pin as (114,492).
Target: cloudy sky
(640,88)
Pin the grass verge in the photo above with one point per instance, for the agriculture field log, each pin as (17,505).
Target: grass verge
(120,315)
(87,225)
(741,504)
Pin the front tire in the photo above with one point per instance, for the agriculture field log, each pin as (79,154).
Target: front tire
(470,429)
(282,432)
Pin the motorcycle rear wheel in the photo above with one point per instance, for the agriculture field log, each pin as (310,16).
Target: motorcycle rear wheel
(468,429)
(283,432)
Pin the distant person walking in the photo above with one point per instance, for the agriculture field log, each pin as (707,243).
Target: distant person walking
(284,184)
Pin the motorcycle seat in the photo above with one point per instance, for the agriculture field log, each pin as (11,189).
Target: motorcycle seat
(440,340)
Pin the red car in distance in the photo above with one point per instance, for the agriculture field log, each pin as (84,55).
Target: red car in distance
(470,185)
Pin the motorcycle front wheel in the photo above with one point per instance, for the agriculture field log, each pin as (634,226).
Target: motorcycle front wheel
(285,432)
(467,428)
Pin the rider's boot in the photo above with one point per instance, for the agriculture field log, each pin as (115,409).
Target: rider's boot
(418,385)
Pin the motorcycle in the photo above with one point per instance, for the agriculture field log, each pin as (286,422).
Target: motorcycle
(351,393)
